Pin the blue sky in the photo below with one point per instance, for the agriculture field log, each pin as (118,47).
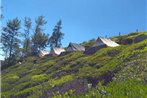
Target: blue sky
(82,19)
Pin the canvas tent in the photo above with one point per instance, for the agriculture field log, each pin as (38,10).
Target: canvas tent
(42,53)
(56,51)
(105,42)
(101,43)
(75,47)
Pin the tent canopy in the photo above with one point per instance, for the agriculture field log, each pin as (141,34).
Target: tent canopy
(57,51)
(75,47)
(105,41)
(43,53)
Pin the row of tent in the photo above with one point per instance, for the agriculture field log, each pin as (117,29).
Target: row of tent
(99,43)
(57,51)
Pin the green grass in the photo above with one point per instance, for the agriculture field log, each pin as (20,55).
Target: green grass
(129,36)
(128,63)
(122,89)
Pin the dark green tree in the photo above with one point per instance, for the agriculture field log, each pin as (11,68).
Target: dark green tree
(120,38)
(10,40)
(39,39)
(1,15)
(57,36)
(27,40)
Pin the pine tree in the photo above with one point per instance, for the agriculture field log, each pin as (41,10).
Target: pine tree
(27,40)
(10,40)
(39,39)
(57,36)
(1,15)
(120,39)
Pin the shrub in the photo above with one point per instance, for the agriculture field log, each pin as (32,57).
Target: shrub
(38,78)
(11,78)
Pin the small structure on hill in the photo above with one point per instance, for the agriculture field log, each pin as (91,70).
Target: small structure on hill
(140,38)
(75,47)
(105,41)
(43,53)
(89,85)
(56,51)
(19,62)
(101,43)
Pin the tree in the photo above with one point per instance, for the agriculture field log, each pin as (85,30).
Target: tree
(1,15)
(120,38)
(57,36)
(27,40)
(119,34)
(39,39)
(10,40)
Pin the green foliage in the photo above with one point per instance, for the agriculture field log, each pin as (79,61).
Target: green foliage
(39,39)
(126,63)
(57,36)
(26,35)
(129,36)
(67,94)
(11,78)
(87,71)
(122,89)
(39,90)
(61,80)
(10,40)
(40,77)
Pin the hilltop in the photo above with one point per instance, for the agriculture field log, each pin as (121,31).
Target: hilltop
(117,72)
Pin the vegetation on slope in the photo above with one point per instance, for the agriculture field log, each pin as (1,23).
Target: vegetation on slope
(122,89)
(113,72)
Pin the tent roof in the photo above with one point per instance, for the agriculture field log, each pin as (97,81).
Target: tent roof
(58,50)
(43,53)
(106,41)
(77,46)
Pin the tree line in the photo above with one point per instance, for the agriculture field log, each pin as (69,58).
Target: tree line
(30,41)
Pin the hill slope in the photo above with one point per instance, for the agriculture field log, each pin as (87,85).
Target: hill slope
(113,72)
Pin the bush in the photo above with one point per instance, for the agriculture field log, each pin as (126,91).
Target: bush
(38,78)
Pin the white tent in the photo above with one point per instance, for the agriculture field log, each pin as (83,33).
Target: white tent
(105,41)
(56,51)
(43,53)
(75,47)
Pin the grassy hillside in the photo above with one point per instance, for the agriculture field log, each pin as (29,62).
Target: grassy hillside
(119,72)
